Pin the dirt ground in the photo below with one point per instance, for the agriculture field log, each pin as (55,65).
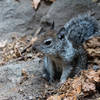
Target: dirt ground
(15,86)
(21,79)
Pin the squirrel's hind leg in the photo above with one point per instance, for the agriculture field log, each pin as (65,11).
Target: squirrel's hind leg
(82,61)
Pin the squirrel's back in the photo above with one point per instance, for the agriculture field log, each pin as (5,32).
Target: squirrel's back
(80,28)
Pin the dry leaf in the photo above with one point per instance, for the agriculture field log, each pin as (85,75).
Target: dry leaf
(94,0)
(25,76)
(36,3)
(84,85)
(92,47)
(2,63)
(70,98)
(93,76)
(55,97)
(24,73)
(88,87)
(3,44)
(52,0)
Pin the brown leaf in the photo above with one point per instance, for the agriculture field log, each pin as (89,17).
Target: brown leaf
(52,0)
(92,47)
(35,3)
(70,98)
(77,85)
(3,44)
(55,97)
(88,87)
(93,76)
(24,73)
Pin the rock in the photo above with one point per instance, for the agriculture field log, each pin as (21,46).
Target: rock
(13,71)
(62,11)
(11,75)
(16,16)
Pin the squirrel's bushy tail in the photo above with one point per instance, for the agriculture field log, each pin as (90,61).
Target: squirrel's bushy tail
(81,28)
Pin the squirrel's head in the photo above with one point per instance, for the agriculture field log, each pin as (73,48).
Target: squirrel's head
(50,42)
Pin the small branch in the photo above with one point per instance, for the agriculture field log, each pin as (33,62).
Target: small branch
(32,40)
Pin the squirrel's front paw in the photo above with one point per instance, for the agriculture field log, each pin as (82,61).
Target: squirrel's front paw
(59,84)
(46,77)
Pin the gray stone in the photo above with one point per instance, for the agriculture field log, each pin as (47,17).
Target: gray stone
(15,16)
(63,10)
(11,76)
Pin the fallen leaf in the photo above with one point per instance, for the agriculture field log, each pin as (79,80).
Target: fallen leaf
(93,76)
(52,0)
(36,3)
(55,97)
(3,44)
(88,87)
(94,0)
(24,73)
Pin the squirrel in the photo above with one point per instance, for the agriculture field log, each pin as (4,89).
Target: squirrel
(63,50)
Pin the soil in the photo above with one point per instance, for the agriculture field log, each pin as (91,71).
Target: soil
(15,86)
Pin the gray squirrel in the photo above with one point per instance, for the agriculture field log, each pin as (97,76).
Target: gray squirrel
(63,50)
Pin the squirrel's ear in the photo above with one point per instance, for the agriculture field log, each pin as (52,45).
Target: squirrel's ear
(52,25)
(61,33)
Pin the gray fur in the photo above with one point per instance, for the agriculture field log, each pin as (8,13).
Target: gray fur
(65,56)
(80,28)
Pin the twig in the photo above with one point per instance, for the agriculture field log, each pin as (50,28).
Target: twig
(38,31)
(25,49)
(32,40)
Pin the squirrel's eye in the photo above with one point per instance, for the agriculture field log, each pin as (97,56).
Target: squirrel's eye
(61,36)
(47,42)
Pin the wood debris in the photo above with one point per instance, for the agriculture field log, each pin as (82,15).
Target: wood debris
(18,49)
(92,47)
(79,87)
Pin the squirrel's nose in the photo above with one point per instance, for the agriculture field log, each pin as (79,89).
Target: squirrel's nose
(33,48)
